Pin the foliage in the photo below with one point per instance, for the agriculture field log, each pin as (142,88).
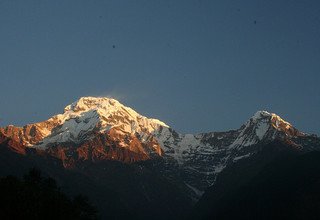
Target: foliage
(36,197)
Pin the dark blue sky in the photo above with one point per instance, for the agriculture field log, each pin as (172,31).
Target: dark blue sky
(196,65)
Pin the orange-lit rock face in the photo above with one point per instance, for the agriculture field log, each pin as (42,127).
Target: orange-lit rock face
(107,146)
(281,125)
(18,138)
(110,145)
(29,134)
(13,144)
(90,129)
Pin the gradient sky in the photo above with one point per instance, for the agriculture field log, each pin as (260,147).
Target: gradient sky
(199,65)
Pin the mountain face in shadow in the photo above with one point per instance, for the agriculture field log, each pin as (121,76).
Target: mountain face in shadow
(117,190)
(275,184)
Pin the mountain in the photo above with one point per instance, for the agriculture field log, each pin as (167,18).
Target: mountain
(280,186)
(98,122)
(202,157)
(109,144)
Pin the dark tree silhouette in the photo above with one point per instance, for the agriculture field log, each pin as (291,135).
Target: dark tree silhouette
(36,197)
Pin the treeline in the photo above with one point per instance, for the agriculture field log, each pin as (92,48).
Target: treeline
(38,197)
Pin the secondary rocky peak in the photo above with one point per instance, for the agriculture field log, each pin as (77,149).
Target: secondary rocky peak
(272,117)
(274,121)
(265,127)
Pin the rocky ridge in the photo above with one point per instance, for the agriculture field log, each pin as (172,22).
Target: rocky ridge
(98,128)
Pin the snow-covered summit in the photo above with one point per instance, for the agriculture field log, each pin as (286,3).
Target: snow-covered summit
(88,103)
(275,121)
(273,118)
(264,126)
(99,114)
(105,106)
(260,114)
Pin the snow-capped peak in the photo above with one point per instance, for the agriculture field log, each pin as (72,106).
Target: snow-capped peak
(260,114)
(89,103)
(264,126)
(105,106)
(99,114)
(272,119)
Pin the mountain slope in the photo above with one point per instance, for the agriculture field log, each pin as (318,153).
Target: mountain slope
(279,185)
(193,153)
(116,132)
(98,129)
(118,190)
(95,132)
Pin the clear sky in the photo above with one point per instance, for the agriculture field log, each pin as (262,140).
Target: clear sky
(201,65)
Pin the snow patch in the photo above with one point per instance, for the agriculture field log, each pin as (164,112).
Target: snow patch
(198,192)
(241,157)
(261,130)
